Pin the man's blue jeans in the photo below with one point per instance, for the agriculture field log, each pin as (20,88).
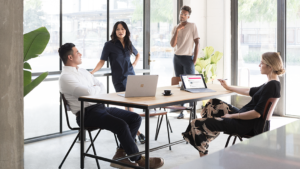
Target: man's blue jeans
(121,122)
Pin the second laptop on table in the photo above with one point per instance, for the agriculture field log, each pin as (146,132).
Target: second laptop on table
(194,83)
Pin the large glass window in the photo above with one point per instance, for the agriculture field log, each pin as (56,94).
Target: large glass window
(161,52)
(257,30)
(292,56)
(38,13)
(41,110)
(131,12)
(41,106)
(84,24)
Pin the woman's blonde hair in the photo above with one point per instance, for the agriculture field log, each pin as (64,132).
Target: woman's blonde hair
(273,59)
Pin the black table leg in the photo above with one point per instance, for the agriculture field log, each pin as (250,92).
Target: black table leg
(147,164)
(82,135)
(194,109)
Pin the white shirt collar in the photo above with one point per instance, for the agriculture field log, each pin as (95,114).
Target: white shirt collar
(70,69)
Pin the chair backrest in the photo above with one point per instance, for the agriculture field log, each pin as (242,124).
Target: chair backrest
(67,108)
(268,112)
(175,80)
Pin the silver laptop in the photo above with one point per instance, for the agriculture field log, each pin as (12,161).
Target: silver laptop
(194,83)
(141,86)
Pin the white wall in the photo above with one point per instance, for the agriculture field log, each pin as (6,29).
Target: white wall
(199,17)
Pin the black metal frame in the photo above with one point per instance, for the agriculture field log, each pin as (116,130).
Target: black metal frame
(281,48)
(234,42)
(147,127)
(265,127)
(67,108)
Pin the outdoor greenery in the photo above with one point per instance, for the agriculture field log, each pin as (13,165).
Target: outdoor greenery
(160,10)
(35,43)
(265,10)
(34,15)
(255,57)
(257,10)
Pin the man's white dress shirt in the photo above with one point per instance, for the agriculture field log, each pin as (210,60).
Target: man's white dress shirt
(75,82)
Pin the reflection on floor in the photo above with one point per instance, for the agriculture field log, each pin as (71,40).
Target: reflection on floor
(48,154)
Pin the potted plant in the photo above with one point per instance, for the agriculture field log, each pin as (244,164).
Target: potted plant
(208,63)
(35,43)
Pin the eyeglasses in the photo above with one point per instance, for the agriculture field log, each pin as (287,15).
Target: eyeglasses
(262,63)
(181,14)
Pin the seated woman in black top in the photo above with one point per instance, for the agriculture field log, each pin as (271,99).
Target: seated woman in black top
(219,116)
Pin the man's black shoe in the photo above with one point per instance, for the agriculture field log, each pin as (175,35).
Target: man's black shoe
(141,138)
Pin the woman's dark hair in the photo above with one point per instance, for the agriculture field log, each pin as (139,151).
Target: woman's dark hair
(64,51)
(114,36)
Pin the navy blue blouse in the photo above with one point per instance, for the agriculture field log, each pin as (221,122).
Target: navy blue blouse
(120,64)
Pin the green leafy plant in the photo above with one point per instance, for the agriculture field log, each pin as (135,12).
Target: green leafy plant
(35,43)
(208,63)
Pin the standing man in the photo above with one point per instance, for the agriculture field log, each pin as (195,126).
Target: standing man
(184,36)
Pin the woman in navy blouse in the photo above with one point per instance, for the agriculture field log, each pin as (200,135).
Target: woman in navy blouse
(118,50)
(219,116)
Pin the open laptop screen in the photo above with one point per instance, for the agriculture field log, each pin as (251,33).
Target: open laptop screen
(193,81)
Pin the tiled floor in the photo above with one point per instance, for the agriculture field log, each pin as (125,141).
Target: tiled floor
(48,154)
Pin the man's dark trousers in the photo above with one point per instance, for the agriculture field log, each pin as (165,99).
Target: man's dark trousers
(121,122)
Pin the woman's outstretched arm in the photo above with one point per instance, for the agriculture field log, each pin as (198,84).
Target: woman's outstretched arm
(240,90)
(98,67)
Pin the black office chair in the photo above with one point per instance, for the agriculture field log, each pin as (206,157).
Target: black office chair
(267,114)
(89,129)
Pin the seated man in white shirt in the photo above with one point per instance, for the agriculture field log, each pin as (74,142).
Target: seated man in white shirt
(75,82)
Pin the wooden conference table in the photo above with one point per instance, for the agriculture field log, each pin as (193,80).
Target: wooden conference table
(146,103)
